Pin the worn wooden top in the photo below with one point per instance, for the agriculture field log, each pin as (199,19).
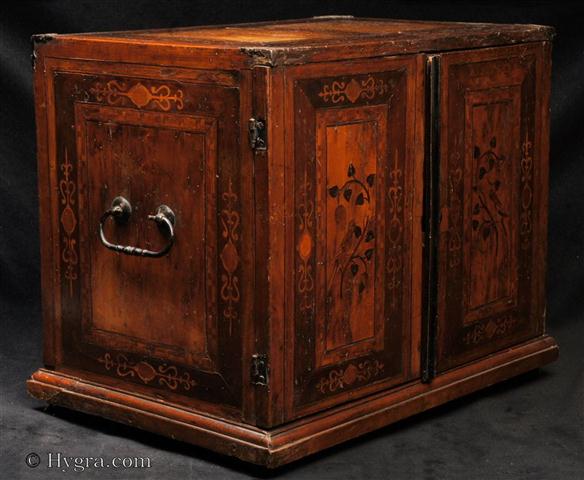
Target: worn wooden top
(322,38)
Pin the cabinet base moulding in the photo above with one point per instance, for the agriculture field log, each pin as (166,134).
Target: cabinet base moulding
(275,447)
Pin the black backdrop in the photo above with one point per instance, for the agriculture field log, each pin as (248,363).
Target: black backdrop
(19,242)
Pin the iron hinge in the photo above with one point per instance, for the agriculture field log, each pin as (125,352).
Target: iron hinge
(257,134)
(259,369)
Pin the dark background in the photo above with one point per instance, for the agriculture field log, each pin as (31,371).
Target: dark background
(530,427)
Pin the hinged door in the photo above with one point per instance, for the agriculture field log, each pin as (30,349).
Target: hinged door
(492,199)
(173,325)
(355,248)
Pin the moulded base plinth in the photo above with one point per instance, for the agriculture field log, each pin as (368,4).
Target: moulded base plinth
(297,439)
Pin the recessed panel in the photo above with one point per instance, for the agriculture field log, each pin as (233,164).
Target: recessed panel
(350,147)
(493,122)
(151,160)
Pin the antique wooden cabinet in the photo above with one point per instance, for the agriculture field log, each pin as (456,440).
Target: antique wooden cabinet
(269,238)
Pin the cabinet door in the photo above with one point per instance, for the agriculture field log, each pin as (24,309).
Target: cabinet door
(171,324)
(356,192)
(492,198)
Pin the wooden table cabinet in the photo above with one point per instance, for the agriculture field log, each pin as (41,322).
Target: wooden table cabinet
(266,239)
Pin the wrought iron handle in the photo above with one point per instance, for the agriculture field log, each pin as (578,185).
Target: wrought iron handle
(121,210)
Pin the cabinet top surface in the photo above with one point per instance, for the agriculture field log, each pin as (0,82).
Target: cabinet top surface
(296,41)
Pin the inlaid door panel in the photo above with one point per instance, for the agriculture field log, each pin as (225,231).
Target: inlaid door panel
(356,182)
(489,169)
(173,324)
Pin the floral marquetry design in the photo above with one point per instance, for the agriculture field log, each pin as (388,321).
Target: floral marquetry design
(351,272)
(357,247)
(113,92)
(490,262)
(489,213)
(166,375)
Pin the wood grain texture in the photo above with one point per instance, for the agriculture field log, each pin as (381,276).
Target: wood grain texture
(297,41)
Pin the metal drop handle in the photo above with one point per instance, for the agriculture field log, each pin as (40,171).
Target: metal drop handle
(121,210)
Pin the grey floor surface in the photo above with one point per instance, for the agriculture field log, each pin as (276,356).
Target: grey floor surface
(530,427)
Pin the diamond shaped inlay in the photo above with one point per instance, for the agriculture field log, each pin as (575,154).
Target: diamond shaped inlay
(339,91)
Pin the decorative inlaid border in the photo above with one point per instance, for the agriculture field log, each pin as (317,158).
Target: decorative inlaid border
(526,226)
(167,375)
(113,92)
(69,253)
(230,221)
(490,329)
(305,245)
(394,261)
(353,373)
(340,91)
(455,215)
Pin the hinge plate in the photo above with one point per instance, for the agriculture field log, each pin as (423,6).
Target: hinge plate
(259,369)
(257,134)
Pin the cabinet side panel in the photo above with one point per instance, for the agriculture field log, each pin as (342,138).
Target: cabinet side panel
(124,130)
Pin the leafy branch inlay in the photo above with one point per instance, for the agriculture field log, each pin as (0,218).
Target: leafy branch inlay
(359,238)
(488,211)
